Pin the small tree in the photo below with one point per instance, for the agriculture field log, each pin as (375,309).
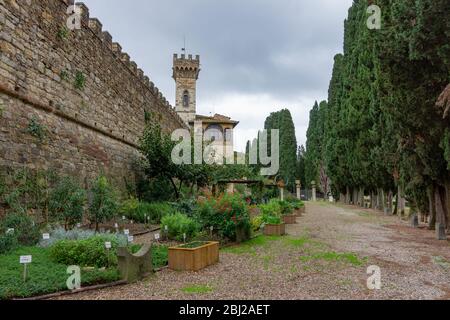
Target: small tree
(103,203)
(66,202)
(157,147)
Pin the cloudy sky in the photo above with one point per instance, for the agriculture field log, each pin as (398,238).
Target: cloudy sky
(257,56)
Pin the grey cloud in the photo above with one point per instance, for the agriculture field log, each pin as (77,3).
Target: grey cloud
(282,48)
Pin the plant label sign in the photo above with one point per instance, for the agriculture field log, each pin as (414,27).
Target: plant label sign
(25,259)
(78,225)
(116,226)
(46,236)
(157,236)
(108,245)
(123,217)
(126,232)
(130,239)
(10,231)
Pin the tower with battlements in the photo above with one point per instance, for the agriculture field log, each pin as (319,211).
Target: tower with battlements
(185,74)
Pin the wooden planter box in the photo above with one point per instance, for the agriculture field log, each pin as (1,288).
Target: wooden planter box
(193,259)
(275,229)
(290,219)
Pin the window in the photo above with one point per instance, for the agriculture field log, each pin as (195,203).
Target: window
(214,133)
(186,99)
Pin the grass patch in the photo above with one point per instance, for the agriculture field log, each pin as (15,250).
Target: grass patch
(442,262)
(332,256)
(297,242)
(250,246)
(197,289)
(44,276)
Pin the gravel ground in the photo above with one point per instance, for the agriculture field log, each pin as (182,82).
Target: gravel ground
(324,256)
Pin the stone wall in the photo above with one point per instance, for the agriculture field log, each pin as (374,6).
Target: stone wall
(77,86)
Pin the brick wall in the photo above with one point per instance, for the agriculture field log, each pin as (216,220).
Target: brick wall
(89,128)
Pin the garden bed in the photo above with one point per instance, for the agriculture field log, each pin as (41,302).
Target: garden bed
(275,229)
(47,277)
(290,219)
(194,256)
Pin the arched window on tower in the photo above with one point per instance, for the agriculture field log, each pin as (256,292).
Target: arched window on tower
(186,99)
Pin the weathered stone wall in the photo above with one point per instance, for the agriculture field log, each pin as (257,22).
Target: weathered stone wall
(89,128)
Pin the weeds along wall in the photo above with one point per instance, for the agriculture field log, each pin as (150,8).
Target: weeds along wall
(70,100)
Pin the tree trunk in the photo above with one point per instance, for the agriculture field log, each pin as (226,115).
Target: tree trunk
(373,200)
(355,197)
(401,202)
(347,196)
(361,198)
(440,196)
(447,191)
(177,195)
(390,204)
(380,199)
(383,201)
(432,210)
(395,197)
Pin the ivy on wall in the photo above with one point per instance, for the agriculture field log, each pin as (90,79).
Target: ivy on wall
(36,129)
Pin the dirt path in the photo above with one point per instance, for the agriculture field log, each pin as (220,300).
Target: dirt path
(325,256)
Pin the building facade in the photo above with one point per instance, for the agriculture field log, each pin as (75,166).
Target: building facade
(186,70)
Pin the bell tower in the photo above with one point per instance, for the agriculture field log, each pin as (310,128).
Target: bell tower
(185,74)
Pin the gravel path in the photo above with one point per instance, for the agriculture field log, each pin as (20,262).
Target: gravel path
(325,256)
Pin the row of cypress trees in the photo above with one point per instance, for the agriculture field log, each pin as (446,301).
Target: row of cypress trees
(385,129)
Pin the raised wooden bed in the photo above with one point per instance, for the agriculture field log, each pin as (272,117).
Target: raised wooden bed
(182,258)
(275,229)
(290,219)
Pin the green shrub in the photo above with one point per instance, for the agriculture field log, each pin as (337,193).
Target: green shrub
(268,219)
(103,202)
(80,80)
(186,206)
(135,210)
(178,224)
(272,212)
(36,129)
(286,207)
(256,223)
(25,230)
(89,252)
(225,214)
(66,202)
(43,275)
(8,242)
(295,203)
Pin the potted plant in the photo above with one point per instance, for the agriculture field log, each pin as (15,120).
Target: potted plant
(272,219)
(287,212)
(298,206)
(193,256)
(273,226)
